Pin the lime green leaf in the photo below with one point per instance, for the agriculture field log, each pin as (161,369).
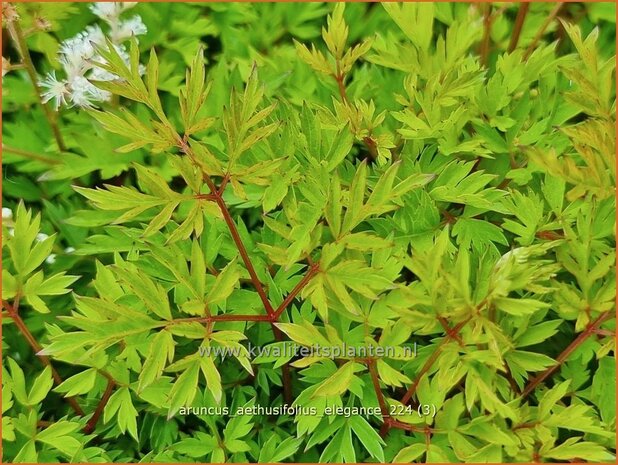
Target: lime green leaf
(81,383)
(41,386)
(339,382)
(184,389)
(160,352)
(225,283)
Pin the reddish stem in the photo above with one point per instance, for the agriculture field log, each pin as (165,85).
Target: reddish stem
(371,364)
(549,235)
(341,86)
(530,424)
(519,23)
(370,143)
(487,20)
(243,253)
(92,423)
(224,182)
(286,375)
(23,329)
(232,317)
(542,29)
(204,197)
(386,416)
(564,355)
(430,361)
(299,287)
(450,332)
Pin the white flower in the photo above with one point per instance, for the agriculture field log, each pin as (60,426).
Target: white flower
(54,90)
(69,250)
(77,48)
(79,57)
(51,259)
(110,11)
(95,34)
(131,27)
(74,65)
(76,53)
(7,213)
(83,93)
(41,237)
(105,10)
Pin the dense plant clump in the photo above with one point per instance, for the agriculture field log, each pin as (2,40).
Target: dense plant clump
(308,232)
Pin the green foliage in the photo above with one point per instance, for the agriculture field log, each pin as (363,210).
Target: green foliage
(407,209)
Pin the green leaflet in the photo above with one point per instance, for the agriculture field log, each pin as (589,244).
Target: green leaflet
(160,352)
(78,384)
(184,389)
(121,406)
(339,382)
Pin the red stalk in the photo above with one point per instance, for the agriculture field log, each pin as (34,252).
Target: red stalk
(564,355)
(23,329)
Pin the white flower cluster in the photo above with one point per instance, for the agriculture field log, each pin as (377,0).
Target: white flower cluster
(78,56)
(7,218)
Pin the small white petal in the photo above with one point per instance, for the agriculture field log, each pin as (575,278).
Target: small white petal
(41,237)
(131,27)
(7,213)
(51,259)
(53,89)
(110,11)
(84,93)
(77,52)
(107,11)
(69,250)
(94,35)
